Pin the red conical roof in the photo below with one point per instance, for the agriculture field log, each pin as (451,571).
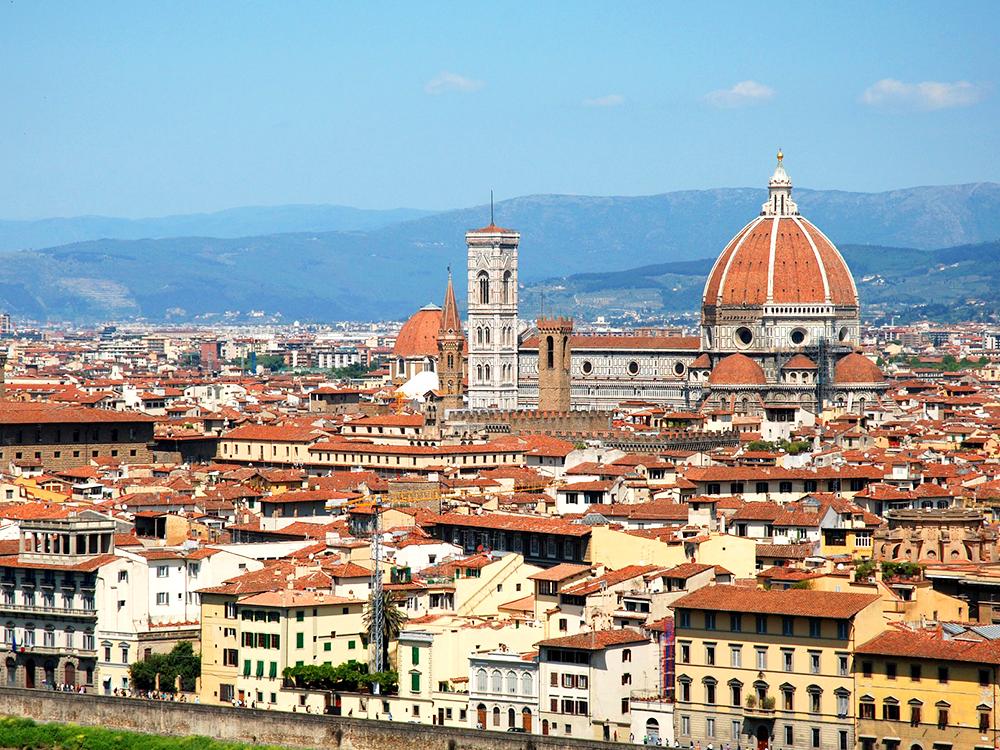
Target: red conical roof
(450,322)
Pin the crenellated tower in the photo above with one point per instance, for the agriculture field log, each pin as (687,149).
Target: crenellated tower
(554,383)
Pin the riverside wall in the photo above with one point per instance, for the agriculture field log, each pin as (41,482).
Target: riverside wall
(265,727)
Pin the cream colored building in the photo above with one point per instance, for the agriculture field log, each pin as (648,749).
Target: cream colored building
(587,682)
(770,669)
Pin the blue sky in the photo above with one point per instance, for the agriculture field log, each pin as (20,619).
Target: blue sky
(146,109)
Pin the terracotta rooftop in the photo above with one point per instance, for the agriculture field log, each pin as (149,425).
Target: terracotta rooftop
(801,602)
(595,641)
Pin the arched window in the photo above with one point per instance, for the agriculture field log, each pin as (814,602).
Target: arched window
(484,288)
(510,717)
(496,716)
(486,372)
(550,352)
(451,361)
(479,373)
(508,296)
(497,685)
(481,680)
(486,334)
(511,682)
(527,684)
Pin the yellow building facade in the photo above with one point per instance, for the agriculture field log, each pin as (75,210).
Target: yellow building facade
(769,669)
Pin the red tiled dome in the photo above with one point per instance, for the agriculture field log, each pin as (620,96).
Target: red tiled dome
(737,369)
(856,368)
(799,362)
(418,336)
(780,260)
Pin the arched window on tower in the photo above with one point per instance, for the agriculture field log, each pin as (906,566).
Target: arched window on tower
(508,296)
(486,335)
(484,288)
(451,361)
(486,372)
(550,352)
(479,373)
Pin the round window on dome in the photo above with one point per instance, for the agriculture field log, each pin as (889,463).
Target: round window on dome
(678,368)
(587,367)
(633,368)
(798,337)
(845,334)
(744,337)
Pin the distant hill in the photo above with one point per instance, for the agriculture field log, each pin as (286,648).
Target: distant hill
(957,283)
(597,243)
(234,222)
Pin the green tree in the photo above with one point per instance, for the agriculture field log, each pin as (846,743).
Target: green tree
(272,362)
(393,619)
(355,370)
(182,661)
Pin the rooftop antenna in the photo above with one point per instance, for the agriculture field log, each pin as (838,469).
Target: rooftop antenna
(491,209)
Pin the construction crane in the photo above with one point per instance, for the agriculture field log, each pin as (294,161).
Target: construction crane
(384,501)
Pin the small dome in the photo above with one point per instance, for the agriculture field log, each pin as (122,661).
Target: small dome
(702,363)
(418,336)
(737,369)
(799,362)
(856,368)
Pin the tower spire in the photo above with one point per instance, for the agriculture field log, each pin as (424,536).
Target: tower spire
(450,322)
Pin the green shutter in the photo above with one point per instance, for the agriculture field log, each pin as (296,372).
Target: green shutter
(246,667)
(300,640)
(260,669)
(274,670)
(416,655)
(351,645)
(300,615)
(275,641)
(326,646)
(415,683)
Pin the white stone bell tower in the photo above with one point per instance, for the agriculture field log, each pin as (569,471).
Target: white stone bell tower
(492,331)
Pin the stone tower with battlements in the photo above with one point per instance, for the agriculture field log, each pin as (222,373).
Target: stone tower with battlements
(554,383)
(451,346)
(492,317)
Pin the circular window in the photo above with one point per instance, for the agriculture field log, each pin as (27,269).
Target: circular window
(744,337)
(844,334)
(633,368)
(587,367)
(678,368)
(798,337)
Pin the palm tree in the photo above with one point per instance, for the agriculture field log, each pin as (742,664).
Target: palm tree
(393,620)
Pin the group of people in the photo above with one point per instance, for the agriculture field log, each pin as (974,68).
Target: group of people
(153,695)
(658,741)
(68,688)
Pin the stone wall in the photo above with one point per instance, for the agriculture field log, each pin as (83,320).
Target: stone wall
(516,422)
(268,727)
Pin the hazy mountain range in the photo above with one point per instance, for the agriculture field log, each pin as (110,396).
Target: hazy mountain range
(325,263)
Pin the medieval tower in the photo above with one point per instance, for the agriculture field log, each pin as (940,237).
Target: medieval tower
(451,343)
(554,336)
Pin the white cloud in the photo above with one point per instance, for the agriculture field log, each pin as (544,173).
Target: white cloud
(611,100)
(924,97)
(743,94)
(452,82)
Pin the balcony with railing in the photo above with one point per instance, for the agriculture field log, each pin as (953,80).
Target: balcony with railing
(50,610)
